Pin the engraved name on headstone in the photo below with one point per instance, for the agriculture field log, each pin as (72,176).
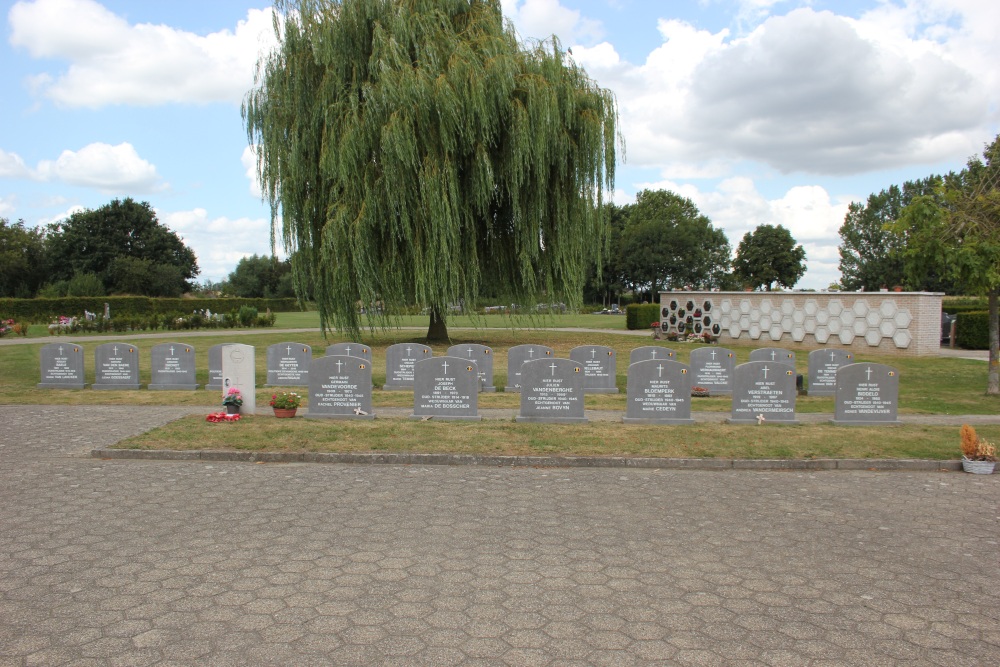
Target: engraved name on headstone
(446,388)
(288,365)
(651,352)
(239,370)
(764,391)
(713,368)
(599,368)
(116,366)
(61,366)
(400,360)
(823,365)
(866,394)
(350,349)
(340,387)
(172,367)
(519,354)
(483,356)
(551,391)
(774,355)
(215,366)
(659,392)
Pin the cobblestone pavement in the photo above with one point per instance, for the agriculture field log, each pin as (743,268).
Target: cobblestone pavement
(191,563)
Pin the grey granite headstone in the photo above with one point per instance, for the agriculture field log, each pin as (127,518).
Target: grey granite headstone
(483,356)
(519,354)
(288,365)
(116,366)
(61,366)
(866,394)
(552,391)
(764,389)
(774,354)
(713,368)
(172,366)
(651,352)
(823,365)
(340,387)
(215,366)
(659,392)
(350,349)
(599,368)
(446,388)
(239,370)
(400,360)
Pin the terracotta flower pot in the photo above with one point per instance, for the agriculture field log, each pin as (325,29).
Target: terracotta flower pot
(284,413)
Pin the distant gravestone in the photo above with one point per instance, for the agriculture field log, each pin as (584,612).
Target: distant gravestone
(599,368)
(340,387)
(659,392)
(866,394)
(116,366)
(400,360)
(823,365)
(172,367)
(61,366)
(651,352)
(483,356)
(239,370)
(764,392)
(551,391)
(519,354)
(773,354)
(288,365)
(215,366)
(446,388)
(713,368)
(351,350)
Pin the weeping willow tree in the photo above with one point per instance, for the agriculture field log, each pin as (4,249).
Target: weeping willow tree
(416,152)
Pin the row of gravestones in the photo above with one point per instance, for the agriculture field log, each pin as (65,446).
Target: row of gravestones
(659,387)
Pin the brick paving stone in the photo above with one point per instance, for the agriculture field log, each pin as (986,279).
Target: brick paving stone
(145,562)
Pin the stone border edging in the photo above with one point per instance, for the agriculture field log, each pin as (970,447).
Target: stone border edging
(884,465)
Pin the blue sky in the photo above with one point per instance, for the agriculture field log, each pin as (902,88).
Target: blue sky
(761,111)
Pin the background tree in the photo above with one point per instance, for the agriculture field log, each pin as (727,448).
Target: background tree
(604,283)
(261,277)
(23,262)
(957,233)
(124,245)
(416,151)
(668,243)
(768,255)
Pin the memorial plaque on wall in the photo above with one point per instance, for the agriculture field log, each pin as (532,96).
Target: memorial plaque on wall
(483,356)
(61,366)
(866,394)
(172,367)
(764,392)
(659,392)
(350,349)
(774,354)
(446,388)
(599,368)
(288,365)
(239,370)
(215,366)
(823,365)
(551,391)
(519,354)
(651,352)
(713,368)
(340,387)
(116,366)
(400,360)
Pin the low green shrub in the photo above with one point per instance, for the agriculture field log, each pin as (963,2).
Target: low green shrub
(972,330)
(641,315)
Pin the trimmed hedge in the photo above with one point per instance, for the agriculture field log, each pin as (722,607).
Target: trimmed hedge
(641,315)
(42,311)
(972,330)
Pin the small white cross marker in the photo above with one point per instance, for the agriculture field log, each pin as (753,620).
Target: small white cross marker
(660,369)
(348,350)
(531,353)
(288,350)
(115,348)
(553,367)
(772,356)
(868,372)
(171,350)
(339,364)
(444,365)
(765,369)
(713,355)
(408,350)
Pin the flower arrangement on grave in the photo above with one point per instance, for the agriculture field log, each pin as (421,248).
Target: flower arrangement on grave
(233,397)
(700,391)
(12,326)
(975,448)
(219,417)
(286,400)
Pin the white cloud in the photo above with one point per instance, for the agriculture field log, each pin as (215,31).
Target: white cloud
(220,242)
(540,19)
(110,169)
(12,166)
(7,206)
(76,208)
(249,160)
(113,62)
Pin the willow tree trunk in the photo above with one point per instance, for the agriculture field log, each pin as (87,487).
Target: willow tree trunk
(993,376)
(438,329)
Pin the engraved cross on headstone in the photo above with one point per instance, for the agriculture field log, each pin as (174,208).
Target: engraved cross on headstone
(659,370)
(765,369)
(553,367)
(868,373)
(339,364)
(444,365)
